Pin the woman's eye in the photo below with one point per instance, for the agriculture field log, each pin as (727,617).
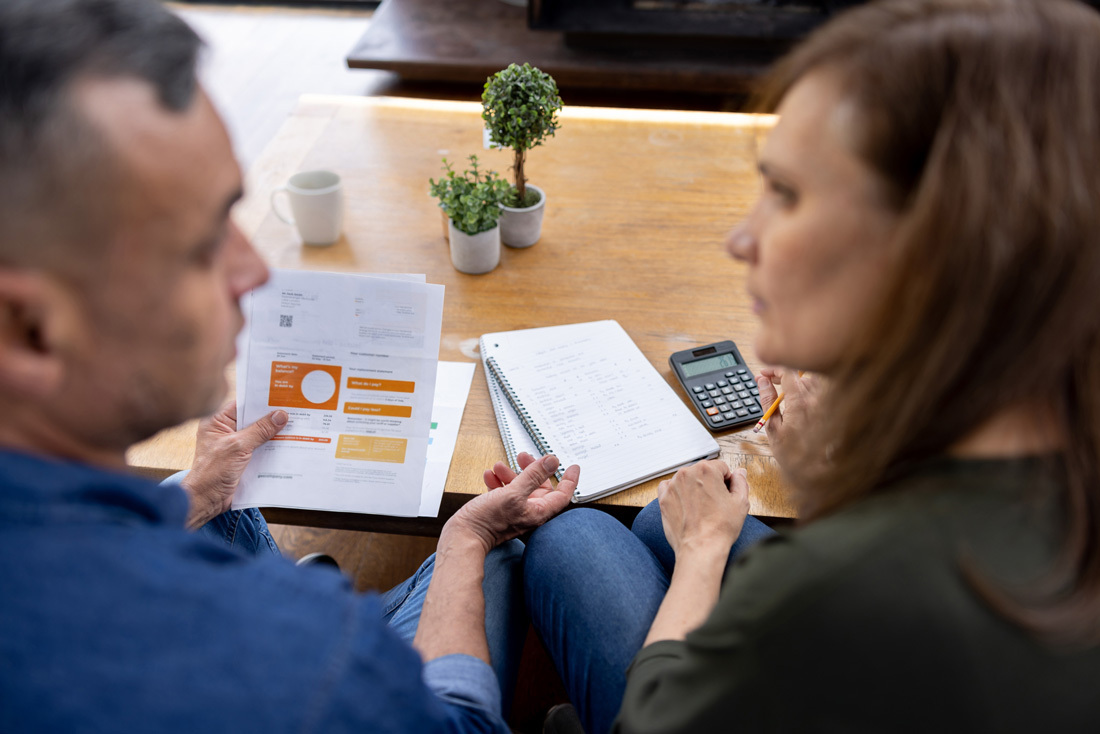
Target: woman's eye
(786,194)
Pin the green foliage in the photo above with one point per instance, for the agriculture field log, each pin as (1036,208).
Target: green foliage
(520,106)
(470,199)
(530,198)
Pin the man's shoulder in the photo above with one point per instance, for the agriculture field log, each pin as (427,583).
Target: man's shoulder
(138,620)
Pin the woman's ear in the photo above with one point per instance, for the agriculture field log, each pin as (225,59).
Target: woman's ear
(37,316)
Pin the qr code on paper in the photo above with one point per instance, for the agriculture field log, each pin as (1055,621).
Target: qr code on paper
(286,320)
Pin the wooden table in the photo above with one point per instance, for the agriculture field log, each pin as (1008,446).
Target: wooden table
(638,203)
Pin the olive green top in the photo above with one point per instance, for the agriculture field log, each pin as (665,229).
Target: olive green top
(864,621)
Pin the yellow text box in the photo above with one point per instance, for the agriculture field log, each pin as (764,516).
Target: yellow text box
(371,448)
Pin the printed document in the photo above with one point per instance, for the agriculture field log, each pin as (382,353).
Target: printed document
(352,360)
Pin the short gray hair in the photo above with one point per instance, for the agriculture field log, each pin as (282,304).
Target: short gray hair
(46,149)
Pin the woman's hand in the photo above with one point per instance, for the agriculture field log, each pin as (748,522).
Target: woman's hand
(799,404)
(703,507)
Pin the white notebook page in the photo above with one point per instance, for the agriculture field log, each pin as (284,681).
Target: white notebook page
(599,403)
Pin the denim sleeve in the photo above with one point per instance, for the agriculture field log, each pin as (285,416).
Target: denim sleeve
(376,682)
(466,681)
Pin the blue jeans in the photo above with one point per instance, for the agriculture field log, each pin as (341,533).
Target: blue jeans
(505,616)
(593,588)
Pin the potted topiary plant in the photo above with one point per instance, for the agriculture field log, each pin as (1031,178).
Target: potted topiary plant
(471,203)
(519,107)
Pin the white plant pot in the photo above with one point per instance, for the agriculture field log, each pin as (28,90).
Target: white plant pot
(522,226)
(474,253)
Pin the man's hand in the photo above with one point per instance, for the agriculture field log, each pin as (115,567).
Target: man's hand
(515,503)
(221,455)
(452,620)
(703,507)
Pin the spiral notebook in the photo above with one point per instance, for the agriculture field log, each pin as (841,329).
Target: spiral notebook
(587,394)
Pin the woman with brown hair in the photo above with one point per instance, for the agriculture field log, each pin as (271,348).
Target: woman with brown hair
(927,245)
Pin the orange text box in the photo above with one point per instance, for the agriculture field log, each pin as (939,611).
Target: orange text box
(286,385)
(394,411)
(371,448)
(366,383)
(307,439)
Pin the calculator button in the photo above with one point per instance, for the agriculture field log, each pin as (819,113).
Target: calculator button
(742,393)
(727,408)
(714,393)
(721,383)
(701,396)
(749,402)
(708,404)
(737,385)
(716,419)
(737,404)
(709,386)
(742,412)
(729,374)
(742,371)
(719,401)
(697,389)
(754,409)
(712,411)
(755,391)
(727,390)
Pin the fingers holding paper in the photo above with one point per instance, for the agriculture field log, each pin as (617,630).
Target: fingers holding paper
(221,454)
(526,501)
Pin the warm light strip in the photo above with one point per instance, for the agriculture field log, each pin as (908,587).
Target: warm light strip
(569,112)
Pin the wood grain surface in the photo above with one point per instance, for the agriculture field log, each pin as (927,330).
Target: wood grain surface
(638,204)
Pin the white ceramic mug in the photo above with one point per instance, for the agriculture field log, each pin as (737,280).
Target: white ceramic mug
(317,205)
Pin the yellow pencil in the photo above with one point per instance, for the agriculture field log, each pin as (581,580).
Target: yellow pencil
(771,409)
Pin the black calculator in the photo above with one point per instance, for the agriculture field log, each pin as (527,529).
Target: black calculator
(720,385)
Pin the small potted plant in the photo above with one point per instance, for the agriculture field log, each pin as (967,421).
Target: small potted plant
(519,107)
(471,203)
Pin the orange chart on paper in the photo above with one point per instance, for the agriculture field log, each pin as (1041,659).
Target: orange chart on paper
(366,383)
(371,448)
(305,439)
(392,411)
(303,385)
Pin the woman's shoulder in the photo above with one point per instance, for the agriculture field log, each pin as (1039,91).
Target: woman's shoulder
(902,550)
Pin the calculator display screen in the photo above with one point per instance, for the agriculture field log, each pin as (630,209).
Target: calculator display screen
(699,367)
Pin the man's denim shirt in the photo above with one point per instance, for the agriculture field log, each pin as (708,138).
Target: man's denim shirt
(114,618)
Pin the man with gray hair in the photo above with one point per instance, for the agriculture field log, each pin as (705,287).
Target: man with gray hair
(120,276)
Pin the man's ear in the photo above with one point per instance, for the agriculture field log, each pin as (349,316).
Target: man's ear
(36,314)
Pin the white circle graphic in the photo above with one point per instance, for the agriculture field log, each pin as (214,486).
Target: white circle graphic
(318,386)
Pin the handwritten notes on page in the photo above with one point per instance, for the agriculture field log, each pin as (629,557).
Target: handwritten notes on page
(586,393)
(352,359)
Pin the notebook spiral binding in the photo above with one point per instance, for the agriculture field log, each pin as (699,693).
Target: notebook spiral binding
(497,397)
(524,416)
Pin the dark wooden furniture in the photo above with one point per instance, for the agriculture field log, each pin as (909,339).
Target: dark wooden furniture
(467,40)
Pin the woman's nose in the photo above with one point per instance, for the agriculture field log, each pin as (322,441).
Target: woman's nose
(740,243)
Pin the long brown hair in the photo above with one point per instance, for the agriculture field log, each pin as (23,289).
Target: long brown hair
(983,117)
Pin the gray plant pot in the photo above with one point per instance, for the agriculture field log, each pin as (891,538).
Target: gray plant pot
(522,227)
(474,253)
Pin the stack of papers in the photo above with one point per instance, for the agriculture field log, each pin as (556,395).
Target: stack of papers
(353,360)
